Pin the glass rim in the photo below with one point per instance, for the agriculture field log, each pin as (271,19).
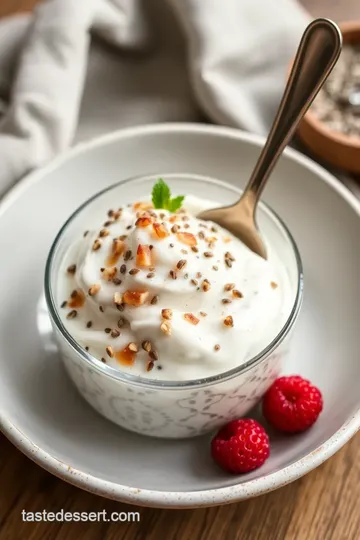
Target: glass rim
(137,380)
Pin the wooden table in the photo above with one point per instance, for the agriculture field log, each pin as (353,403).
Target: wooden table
(321,506)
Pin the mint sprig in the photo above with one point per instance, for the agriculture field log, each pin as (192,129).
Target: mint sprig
(161,197)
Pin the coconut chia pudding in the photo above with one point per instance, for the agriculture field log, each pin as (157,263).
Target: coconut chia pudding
(154,291)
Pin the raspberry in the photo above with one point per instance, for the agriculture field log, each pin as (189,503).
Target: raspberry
(240,446)
(292,404)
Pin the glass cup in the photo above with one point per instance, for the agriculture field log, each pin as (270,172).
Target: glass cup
(160,408)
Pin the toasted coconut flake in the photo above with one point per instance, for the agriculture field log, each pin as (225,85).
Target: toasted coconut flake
(117,249)
(186,238)
(143,222)
(94,289)
(165,327)
(133,347)
(160,230)
(117,298)
(143,256)
(126,357)
(142,205)
(146,345)
(109,273)
(135,298)
(77,299)
(189,317)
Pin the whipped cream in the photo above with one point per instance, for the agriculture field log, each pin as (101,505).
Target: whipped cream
(168,296)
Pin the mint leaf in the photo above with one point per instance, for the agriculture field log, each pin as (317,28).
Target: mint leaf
(161,197)
(160,194)
(175,204)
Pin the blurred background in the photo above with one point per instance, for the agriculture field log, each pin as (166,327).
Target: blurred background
(165,60)
(343,10)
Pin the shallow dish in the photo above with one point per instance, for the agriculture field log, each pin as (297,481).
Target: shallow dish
(334,147)
(167,408)
(42,413)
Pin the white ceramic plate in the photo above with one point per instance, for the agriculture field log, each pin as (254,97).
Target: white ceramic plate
(42,413)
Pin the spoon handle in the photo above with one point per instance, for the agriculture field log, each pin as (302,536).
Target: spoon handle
(317,54)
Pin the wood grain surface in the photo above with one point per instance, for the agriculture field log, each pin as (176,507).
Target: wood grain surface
(321,506)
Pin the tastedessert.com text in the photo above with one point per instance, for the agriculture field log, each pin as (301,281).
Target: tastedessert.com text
(65,516)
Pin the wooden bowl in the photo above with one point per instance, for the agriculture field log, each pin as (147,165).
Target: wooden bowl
(332,146)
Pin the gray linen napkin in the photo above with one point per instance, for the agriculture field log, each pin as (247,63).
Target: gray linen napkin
(73,70)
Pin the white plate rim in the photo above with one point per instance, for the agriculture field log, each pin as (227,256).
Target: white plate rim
(183,499)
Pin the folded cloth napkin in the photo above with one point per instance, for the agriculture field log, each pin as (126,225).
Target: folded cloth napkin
(73,70)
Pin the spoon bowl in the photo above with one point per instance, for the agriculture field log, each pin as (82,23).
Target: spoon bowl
(238,219)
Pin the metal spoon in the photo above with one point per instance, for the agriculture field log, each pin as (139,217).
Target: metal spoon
(317,54)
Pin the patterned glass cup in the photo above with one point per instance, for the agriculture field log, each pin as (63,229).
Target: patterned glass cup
(172,409)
